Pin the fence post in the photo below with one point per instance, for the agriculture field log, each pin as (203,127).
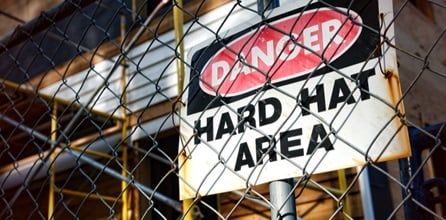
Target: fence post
(282,200)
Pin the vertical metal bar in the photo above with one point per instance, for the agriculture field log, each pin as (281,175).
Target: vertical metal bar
(53,163)
(136,204)
(188,209)
(343,187)
(366,193)
(282,200)
(124,184)
(178,26)
(134,9)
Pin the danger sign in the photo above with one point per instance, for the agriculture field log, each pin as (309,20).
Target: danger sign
(279,56)
(305,91)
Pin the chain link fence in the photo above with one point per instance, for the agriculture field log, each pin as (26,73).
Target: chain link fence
(210,109)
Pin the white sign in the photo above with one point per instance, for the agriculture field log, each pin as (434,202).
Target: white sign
(307,93)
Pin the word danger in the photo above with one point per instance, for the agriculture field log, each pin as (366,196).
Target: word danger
(288,142)
(318,36)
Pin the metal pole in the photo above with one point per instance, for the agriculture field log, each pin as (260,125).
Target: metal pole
(342,179)
(136,210)
(53,163)
(366,192)
(282,200)
(188,210)
(124,185)
(178,25)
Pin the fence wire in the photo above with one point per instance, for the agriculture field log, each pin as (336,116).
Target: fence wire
(119,109)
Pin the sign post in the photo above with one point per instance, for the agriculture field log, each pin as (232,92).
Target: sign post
(282,200)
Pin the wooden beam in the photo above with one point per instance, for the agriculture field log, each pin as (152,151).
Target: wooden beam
(154,111)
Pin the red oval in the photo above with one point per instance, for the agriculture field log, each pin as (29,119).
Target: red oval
(249,61)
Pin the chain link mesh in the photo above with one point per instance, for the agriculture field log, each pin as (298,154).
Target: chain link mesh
(92,97)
